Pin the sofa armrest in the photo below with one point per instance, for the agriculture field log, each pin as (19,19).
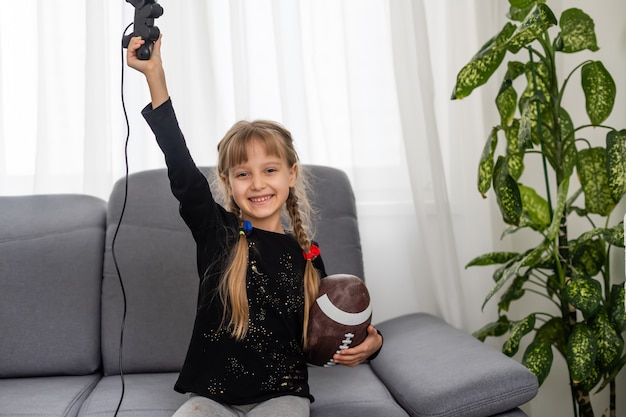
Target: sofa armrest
(434,369)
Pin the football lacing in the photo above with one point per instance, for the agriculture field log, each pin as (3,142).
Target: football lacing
(345,344)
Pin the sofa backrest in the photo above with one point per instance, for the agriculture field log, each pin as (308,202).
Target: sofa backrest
(337,229)
(156,258)
(51,251)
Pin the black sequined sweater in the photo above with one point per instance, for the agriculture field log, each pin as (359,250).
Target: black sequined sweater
(269,362)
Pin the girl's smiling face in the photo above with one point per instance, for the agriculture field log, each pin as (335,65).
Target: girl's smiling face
(260,186)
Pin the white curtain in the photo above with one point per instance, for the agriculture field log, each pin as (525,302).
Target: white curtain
(362,84)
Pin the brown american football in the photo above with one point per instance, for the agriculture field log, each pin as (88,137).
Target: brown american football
(338,319)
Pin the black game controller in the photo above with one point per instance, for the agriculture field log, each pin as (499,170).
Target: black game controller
(145,13)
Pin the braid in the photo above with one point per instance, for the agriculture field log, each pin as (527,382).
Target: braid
(311,277)
(299,232)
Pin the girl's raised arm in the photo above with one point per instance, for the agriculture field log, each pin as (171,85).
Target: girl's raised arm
(152,69)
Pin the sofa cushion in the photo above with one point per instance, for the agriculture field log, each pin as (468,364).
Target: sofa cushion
(516,412)
(340,391)
(50,274)
(45,397)
(424,354)
(145,395)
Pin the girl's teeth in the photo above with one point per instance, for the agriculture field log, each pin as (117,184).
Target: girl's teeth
(259,199)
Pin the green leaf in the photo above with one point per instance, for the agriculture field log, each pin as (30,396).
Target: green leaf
(569,151)
(515,164)
(509,230)
(591,167)
(492,258)
(521,3)
(507,193)
(613,374)
(577,31)
(513,70)
(595,375)
(518,330)
(553,332)
(588,257)
(599,89)
(613,235)
(560,151)
(518,14)
(534,256)
(536,212)
(515,291)
(506,99)
(554,285)
(506,102)
(617,311)
(526,122)
(581,212)
(504,275)
(581,352)
(514,150)
(529,259)
(610,344)
(561,200)
(538,359)
(584,294)
(535,115)
(496,328)
(536,89)
(482,66)
(533,26)
(485,166)
(504,269)
(616,163)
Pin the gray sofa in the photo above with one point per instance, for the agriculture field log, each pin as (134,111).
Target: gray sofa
(61,310)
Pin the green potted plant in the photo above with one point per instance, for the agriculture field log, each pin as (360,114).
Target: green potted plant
(584,315)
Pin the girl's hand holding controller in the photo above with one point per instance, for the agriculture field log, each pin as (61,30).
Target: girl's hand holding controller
(143,66)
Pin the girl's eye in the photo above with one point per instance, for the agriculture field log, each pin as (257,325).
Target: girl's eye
(241,174)
(270,170)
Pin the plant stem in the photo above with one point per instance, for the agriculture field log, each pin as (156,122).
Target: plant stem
(564,263)
(568,78)
(584,404)
(607,268)
(540,131)
(612,407)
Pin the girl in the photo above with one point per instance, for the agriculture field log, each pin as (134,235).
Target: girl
(246,355)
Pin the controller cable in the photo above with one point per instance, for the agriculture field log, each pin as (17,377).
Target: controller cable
(143,22)
(117,229)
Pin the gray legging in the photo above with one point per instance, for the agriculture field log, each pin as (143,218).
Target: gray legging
(286,406)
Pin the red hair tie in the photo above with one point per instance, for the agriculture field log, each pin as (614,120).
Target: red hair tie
(312,253)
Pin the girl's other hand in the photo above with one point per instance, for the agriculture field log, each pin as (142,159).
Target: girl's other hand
(358,354)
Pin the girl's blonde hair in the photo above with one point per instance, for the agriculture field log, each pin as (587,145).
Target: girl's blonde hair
(231,152)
